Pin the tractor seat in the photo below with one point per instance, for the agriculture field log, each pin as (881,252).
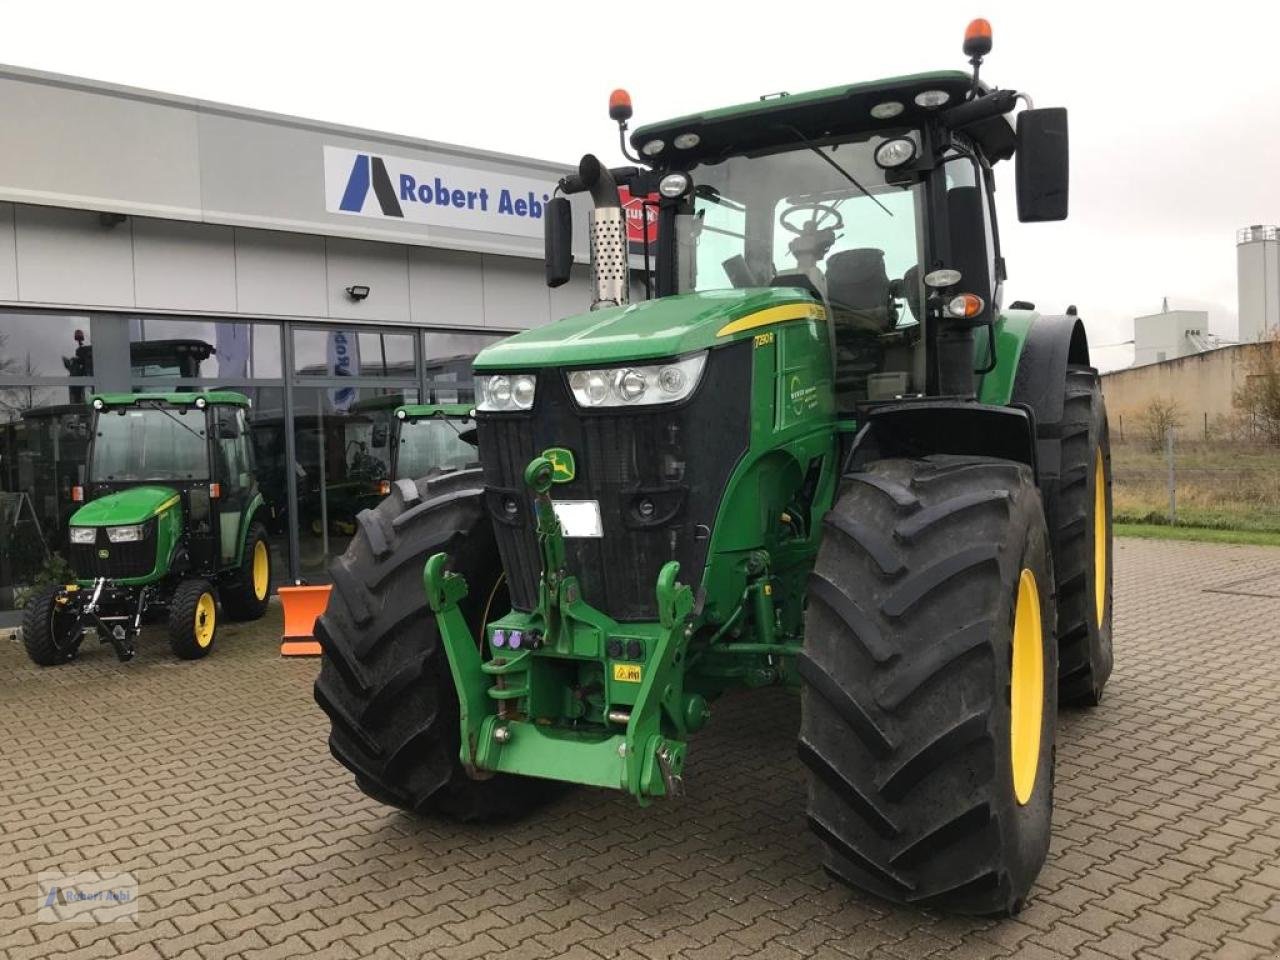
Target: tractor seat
(859,292)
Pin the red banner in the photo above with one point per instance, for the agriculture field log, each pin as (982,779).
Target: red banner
(637,211)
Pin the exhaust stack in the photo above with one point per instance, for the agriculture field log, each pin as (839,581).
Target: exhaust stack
(607,227)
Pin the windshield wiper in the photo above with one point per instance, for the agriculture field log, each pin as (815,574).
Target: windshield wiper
(168,414)
(839,169)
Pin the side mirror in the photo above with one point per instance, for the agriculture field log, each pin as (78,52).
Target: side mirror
(558,227)
(1041,165)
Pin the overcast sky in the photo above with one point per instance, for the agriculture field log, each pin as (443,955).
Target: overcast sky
(1174,109)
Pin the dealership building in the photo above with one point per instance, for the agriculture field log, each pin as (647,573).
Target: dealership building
(151,242)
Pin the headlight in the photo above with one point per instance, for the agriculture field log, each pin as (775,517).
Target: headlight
(130,534)
(637,386)
(504,392)
(84,534)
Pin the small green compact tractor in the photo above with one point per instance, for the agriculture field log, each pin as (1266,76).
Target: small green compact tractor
(172,523)
(820,453)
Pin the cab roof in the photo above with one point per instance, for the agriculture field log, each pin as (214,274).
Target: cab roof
(212,398)
(416,411)
(820,114)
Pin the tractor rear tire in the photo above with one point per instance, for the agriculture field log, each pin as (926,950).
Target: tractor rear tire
(1078,507)
(246,595)
(193,620)
(384,677)
(929,693)
(48,632)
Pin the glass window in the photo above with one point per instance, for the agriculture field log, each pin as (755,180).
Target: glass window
(433,443)
(448,357)
(43,447)
(335,352)
(210,349)
(44,345)
(797,213)
(342,438)
(150,443)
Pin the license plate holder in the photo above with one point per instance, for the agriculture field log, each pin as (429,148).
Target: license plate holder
(579,519)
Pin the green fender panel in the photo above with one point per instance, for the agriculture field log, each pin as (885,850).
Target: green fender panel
(250,514)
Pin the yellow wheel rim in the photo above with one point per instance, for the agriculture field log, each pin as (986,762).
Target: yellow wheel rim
(206,619)
(1026,688)
(261,570)
(1099,537)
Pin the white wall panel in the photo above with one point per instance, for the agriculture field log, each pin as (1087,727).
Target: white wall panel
(382,267)
(8,255)
(68,256)
(280,274)
(184,266)
(515,293)
(446,287)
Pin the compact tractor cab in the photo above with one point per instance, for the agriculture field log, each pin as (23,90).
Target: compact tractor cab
(819,453)
(430,438)
(172,523)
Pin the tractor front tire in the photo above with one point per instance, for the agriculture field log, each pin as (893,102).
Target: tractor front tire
(384,678)
(929,684)
(193,619)
(49,632)
(1078,507)
(246,595)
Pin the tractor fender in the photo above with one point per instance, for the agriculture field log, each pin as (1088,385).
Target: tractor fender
(921,428)
(1053,343)
(257,504)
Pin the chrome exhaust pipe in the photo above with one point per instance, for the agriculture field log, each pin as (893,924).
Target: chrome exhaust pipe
(607,229)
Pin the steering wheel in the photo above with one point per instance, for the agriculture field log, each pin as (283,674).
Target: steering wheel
(822,217)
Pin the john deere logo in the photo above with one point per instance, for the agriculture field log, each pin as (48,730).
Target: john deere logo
(104,553)
(563,468)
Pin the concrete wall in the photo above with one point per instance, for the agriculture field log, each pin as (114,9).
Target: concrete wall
(52,256)
(1203,386)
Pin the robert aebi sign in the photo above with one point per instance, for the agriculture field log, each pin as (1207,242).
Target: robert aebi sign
(379,186)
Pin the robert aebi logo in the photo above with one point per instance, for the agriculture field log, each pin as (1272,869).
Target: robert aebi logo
(408,189)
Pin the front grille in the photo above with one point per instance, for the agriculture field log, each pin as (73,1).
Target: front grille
(123,560)
(678,459)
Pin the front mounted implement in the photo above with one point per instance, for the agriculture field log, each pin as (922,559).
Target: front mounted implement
(618,721)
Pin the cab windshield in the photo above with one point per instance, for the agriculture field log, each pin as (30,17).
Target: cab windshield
(763,220)
(797,218)
(432,443)
(149,443)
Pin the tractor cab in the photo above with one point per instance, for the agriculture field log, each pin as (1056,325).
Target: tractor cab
(196,445)
(170,519)
(874,200)
(427,438)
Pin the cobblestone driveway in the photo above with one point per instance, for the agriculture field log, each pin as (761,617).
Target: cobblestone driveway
(211,783)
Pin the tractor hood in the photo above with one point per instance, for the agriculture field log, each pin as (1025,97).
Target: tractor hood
(125,507)
(651,329)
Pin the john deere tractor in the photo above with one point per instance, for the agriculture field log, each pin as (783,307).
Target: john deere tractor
(172,524)
(819,453)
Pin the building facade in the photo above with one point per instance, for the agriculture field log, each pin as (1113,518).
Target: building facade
(151,242)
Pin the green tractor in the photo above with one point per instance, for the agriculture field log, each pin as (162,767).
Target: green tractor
(172,524)
(818,454)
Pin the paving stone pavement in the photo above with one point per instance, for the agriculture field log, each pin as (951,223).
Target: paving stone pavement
(212,784)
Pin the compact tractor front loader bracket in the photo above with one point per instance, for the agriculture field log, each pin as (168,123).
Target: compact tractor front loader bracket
(503,729)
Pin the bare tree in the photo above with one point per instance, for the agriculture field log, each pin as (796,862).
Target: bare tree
(1258,400)
(1160,416)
